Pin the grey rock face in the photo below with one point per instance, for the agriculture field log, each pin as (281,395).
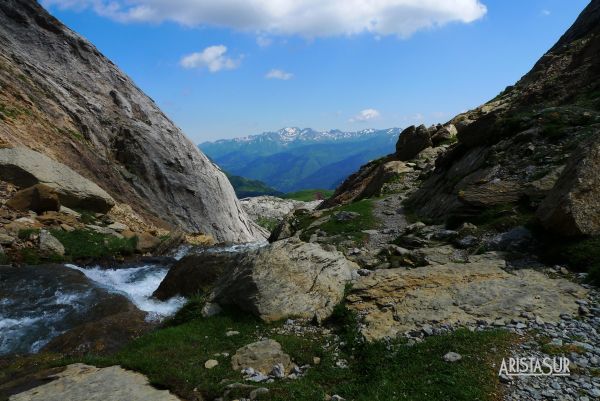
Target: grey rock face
(25,167)
(413,140)
(573,205)
(286,279)
(96,121)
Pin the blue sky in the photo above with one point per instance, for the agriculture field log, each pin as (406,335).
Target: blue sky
(220,71)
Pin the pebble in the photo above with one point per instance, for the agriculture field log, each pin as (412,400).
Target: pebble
(452,357)
(211,363)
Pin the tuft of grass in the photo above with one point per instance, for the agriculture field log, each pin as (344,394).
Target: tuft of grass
(26,233)
(86,244)
(309,195)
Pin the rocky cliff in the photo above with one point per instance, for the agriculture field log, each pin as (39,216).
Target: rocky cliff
(535,146)
(60,96)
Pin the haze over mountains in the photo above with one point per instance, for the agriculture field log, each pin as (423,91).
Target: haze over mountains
(292,159)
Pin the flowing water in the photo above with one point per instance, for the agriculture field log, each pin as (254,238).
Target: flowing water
(40,303)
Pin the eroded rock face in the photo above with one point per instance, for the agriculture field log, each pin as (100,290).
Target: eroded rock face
(288,278)
(572,207)
(392,302)
(83,112)
(25,167)
(80,382)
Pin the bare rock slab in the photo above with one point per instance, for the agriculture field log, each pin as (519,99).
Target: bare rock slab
(84,382)
(392,302)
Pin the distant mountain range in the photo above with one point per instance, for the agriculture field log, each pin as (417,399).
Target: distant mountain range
(293,159)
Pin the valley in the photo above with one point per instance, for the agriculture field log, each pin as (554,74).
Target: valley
(400,265)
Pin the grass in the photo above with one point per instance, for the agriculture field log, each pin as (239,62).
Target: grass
(309,195)
(582,254)
(85,244)
(173,357)
(352,228)
(26,233)
(267,223)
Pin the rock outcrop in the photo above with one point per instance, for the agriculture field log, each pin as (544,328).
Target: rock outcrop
(572,207)
(196,274)
(412,141)
(272,207)
(84,382)
(75,106)
(392,302)
(261,356)
(510,149)
(288,278)
(25,167)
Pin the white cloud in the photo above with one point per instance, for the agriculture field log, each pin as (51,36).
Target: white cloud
(365,115)
(279,74)
(308,18)
(213,58)
(546,13)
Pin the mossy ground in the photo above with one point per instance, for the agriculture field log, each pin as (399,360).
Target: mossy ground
(173,357)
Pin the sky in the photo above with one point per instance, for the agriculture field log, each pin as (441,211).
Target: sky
(231,68)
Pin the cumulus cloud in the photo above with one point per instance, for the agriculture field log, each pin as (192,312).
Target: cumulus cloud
(365,115)
(308,18)
(213,58)
(279,74)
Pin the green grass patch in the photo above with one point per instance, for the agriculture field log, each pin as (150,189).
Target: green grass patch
(309,195)
(350,229)
(26,233)
(173,357)
(87,244)
(267,223)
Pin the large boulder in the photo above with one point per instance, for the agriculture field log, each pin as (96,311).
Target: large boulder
(25,167)
(412,141)
(39,198)
(572,207)
(272,207)
(285,279)
(196,274)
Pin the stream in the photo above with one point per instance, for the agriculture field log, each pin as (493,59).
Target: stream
(38,303)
